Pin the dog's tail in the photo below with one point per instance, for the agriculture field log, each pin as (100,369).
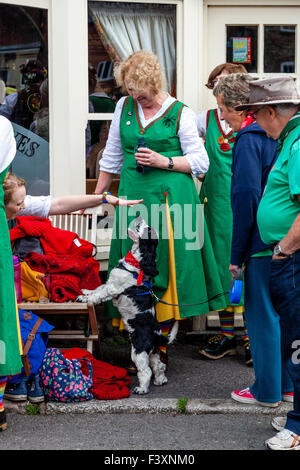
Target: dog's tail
(173,333)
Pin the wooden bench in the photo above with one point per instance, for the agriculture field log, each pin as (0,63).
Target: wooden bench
(85,225)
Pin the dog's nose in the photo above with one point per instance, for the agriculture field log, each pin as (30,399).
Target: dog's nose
(138,221)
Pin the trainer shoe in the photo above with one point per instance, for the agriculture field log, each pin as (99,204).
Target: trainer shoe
(35,393)
(284,440)
(289,396)
(219,346)
(278,422)
(245,396)
(17,391)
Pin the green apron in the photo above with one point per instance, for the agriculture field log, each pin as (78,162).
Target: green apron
(215,194)
(10,355)
(197,281)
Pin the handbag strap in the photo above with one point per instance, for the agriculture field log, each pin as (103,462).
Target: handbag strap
(31,336)
(89,365)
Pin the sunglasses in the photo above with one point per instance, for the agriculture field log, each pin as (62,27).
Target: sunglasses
(254,113)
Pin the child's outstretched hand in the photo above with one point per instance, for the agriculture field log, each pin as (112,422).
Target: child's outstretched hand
(116,201)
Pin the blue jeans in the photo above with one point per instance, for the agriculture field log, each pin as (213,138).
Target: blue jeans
(285,293)
(263,325)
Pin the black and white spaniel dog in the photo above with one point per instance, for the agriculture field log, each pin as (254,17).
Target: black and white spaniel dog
(128,286)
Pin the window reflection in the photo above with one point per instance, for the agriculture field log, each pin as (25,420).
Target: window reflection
(279,49)
(24,96)
(117,29)
(96,150)
(94,157)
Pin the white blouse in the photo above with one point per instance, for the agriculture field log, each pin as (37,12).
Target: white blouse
(36,206)
(7,143)
(192,146)
(201,123)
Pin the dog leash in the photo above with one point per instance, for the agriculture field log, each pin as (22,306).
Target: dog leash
(186,305)
(150,291)
(235,292)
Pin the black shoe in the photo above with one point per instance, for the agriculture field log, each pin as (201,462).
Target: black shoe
(248,357)
(219,346)
(3,423)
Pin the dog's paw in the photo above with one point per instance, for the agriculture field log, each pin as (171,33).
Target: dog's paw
(84,299)
(160,381)
(87,291)
(140,390)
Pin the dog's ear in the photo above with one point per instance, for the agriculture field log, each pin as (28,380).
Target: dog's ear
(133,235)
(148,251)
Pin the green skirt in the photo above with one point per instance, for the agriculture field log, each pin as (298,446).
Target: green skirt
(10,338)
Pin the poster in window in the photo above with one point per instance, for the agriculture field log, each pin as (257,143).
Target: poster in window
(241,50)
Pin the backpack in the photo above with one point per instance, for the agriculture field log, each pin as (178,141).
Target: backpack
(34,334)
(63,380)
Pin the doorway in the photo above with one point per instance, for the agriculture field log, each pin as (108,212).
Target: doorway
(263,39)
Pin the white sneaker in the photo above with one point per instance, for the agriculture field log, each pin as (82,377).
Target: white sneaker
(284,440)
(278,423)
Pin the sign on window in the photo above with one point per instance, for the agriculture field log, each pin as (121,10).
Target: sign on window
(241,50)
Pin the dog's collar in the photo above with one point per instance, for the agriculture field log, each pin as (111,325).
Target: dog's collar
(145,284)
(130,259)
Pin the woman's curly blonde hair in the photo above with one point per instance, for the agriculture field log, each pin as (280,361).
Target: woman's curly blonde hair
(10,184)
(141,70)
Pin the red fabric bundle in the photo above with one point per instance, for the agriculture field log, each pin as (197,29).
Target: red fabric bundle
(53,240)
(69,274)
(68,259)
(109,382)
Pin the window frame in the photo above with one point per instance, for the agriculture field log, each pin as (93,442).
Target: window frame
(178,4)
(68,85)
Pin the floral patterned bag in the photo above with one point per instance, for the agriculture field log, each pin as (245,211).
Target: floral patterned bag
(63,380)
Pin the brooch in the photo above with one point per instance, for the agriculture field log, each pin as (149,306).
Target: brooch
(168,121)
(224,143)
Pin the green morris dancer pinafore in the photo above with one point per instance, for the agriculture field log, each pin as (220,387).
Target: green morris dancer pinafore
(215,194)
(10,346)
(196,280)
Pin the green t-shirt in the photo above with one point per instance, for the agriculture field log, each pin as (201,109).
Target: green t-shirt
(279,205)
(265,252)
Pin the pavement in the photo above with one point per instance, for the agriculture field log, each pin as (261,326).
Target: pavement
(195,386)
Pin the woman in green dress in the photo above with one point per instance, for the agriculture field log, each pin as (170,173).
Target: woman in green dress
(10,338)
(170,153)
(215,195)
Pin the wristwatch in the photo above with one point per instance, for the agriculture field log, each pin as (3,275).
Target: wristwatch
(171,163)
(278,251)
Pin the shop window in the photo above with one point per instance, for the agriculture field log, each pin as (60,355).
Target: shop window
(24,71)
(116,30)
(279,49)
(241,46)
(98,128)
(95,151)
(287,67)
(105,71)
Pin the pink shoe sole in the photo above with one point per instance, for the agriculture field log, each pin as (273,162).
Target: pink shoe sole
(244,396)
